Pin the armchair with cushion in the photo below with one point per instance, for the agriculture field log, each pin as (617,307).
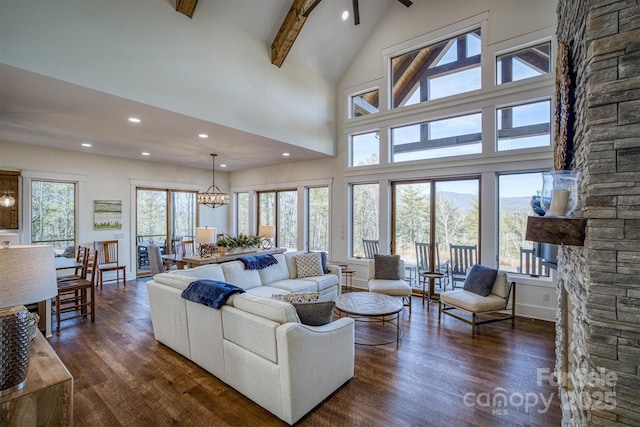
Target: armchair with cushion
(386,273)
(485,290)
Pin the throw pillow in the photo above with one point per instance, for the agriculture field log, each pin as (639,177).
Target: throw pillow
(480,280)
(299,297)
(386,267)
(324,260)
(309,265)
(314,313)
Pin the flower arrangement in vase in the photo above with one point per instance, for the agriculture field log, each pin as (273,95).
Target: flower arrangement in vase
(238,244)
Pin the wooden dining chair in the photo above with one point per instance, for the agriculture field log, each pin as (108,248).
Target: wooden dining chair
(77,295)
(82,258)
(108,261)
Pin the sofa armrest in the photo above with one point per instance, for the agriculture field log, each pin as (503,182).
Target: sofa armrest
(334,269)
(314,361)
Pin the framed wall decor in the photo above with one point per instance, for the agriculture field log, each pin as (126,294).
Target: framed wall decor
(9,215)
(107,214)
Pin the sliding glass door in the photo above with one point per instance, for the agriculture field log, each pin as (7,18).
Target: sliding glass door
(163,217)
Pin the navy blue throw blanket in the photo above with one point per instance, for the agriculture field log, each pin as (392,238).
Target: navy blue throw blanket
(258,262)
(210,292)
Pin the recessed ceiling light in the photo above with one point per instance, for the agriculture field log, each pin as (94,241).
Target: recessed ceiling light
(86,144)
(223,165)
(203,135)
(345,15)
(134,120)
(286,154)
(145,154)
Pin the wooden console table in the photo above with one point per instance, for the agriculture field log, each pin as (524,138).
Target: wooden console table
(47,396)
(194,261)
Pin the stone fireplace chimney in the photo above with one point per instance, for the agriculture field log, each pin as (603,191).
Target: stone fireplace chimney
(598,318)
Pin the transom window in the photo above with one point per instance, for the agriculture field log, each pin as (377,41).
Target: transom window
(365,149)
(524,126)
(439,138)
(443,69)
(523,64)
(365,103)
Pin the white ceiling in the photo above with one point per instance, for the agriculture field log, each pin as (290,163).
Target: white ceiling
(36,109)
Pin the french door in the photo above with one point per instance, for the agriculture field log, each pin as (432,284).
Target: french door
(449,218)
(163,217)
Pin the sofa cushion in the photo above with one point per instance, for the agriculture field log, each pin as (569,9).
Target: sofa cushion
(500,286)
(323,282)
(177,281)
(295,285)
(272,309)
(473,302)
(309,265)
(314,313)
(290,257)
(397,288)
(480,280)
(266,291)
(275,272)
(298,297)
(210,272)
(235,274)
(387,267)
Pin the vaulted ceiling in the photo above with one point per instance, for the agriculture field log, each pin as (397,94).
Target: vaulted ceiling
(38,108)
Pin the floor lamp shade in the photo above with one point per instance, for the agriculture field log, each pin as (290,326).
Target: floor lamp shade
(27,275)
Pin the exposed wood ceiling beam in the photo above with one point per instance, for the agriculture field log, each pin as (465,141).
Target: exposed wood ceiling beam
(290,29)
(186,7)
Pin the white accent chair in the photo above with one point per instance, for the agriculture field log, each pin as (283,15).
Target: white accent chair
(475,304)
(395,288)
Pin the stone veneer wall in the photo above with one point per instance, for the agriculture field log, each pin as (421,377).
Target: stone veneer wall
(598,343)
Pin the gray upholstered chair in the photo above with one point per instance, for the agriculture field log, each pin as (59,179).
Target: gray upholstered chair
(475,304)
(395,288)
(155,260)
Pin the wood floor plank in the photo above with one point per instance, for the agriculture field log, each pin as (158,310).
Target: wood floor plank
(439,374)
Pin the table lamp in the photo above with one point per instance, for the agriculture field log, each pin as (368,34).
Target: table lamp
(27,276)
(267,232)
(205,236)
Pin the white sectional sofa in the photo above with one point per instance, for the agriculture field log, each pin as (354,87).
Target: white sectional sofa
(254,343)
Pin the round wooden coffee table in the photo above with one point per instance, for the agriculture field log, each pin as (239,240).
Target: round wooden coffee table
(369,305)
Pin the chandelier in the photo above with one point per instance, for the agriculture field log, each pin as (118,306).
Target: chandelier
(213,197)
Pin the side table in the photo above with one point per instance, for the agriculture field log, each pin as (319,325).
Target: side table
(430,276)
(347,274)
(47,395)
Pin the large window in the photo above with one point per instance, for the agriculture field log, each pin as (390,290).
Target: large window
(515,192)
(447,68)
(439,138)
(318,225)
(53,215)
(364,216)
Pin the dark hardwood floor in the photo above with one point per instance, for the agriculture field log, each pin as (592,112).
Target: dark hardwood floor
(439,375)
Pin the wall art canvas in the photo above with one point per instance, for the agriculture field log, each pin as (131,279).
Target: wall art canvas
(107,214)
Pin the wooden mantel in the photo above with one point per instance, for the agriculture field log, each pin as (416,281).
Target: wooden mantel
(555,230)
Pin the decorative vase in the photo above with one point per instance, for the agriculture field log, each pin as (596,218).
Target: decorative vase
(535,205)
(559,195)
